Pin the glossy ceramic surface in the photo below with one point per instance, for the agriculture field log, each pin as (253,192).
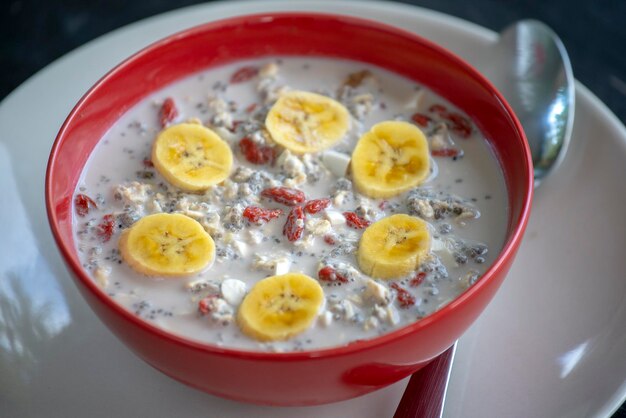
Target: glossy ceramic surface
(562,355)
(277,378)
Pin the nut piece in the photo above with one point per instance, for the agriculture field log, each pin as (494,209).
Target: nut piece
(277,264)
(101,274)
(135,195)
(336,162)
(268,70)
(233,291)
(377,293)
(334,217)
(326,318)
(282,266)
(318,226)
(290,164)
(202,286)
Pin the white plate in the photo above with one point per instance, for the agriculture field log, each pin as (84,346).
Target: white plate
(551,344)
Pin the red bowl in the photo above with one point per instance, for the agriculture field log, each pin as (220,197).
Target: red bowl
(302,378)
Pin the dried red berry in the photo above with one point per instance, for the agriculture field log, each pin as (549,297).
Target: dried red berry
(314,206)
(421,119)
(284,195)
(456,118)
(329,239)
(437,108)
(259,215)
(295,224)
(251,108)
(205,304)
(447,152)
(418,279)
(83,204)
(255,153)
(244,74)
(459,124)
(148,163)
(461,131)
(383,204)
(329,274)
(405,299)
(105,228)
(168,112)
(355,221)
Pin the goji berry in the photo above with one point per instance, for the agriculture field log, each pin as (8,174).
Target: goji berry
(437,108)
(329,274)
(168,112)
(244,74)
(295,224)
(447,152)
(148,163)
(456,118)
(205,304)
(462,131)
(284,195)
(251,108)
(314,206)
(105,228)
(459,124)
(421,119)
(83,204)
(329,239)
(255,153)
(405,299)
(418,279)
(355,221)
(383,204)
(259,215)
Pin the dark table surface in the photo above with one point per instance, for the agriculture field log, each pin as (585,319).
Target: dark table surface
(33,33)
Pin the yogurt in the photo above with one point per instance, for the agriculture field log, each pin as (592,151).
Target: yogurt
(464,200)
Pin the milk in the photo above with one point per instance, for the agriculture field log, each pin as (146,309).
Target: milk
(253,252)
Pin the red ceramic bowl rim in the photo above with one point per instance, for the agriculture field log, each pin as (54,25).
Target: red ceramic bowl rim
(507,252)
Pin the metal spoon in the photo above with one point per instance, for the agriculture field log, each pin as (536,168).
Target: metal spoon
(530,67)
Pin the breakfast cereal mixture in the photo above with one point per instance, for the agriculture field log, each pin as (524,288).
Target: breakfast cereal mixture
(289,204)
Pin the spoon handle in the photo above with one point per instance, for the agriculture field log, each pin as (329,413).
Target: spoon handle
(426,391)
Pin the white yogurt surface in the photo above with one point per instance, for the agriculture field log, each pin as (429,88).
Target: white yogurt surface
(118,177)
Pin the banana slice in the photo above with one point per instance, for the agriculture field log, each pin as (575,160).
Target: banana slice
(191,156)
(166,244)
(307,122)
(279,307)
(393,247)
(390,159)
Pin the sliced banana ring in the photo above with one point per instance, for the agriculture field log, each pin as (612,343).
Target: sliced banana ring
(191,156)
(393,247)
(307,122)
(280,307)
(390,159)
(166,244)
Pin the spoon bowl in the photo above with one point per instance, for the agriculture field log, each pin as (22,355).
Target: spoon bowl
(531,68)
